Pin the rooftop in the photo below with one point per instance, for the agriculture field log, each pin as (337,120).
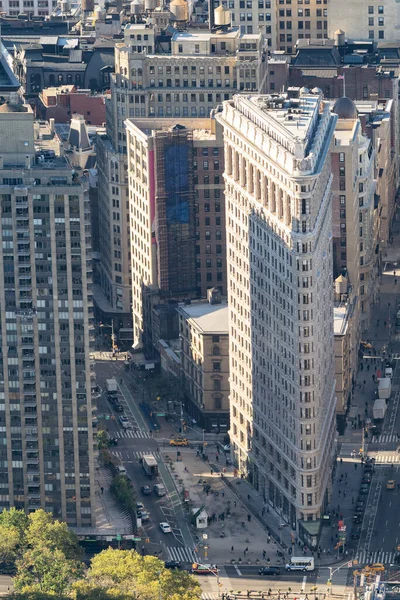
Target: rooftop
(340,321)
(296,115)
(209,318)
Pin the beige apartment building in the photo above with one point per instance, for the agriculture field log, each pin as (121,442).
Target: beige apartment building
(356,208)
(279,253)
(177,214)
(204,336)
(46,323)
(376,20)
(202,70)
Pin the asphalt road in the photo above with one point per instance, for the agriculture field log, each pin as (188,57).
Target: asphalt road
(381,524)
(132,444)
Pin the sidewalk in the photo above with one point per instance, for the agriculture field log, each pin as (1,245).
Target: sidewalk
(230,532)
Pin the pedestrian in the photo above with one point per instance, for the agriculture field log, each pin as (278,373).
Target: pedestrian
(248,496)
(263,512)
(355,466)
(384,323)
(264,554)
(339,493)
(232,549)
(212,471)
(344,494)
(223,494)
(341,461)
(102,490)
(234,504)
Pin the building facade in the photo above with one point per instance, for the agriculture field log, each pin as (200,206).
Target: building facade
(45,319)
(203,331)
(177,216)
(279,255)
(373,20)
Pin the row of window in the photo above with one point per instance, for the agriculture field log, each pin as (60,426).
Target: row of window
(303,25)
(194,83)
(208,263)
(306,12)
(193,70)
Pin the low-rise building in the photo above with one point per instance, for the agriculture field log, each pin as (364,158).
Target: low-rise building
(204,334)
(60,103)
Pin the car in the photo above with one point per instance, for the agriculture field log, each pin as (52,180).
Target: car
(357,518)
(269,571)
(364,489)
(355,533)
(113,441)
(165,527)
(126,424)
(118,407)
(178,442)
(369,468)
(390,484)
(121,470)
(139,506)
(366,479)
(146,490)
(374,430)
(172,564)
(204,569)
(143,515)
(375,568)
(159,490)
(227,448)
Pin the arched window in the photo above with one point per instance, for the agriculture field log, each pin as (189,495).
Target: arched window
(215,350)
(52,79)
(133,72)
(140,72)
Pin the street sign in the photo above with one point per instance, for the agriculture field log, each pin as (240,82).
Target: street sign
(100,416)
(350,563)
(136,539)
(107,417)
(160,414)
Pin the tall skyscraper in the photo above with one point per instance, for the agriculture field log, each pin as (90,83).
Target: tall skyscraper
(46,455)
(279,255)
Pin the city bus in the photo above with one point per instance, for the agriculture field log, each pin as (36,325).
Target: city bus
(300,563)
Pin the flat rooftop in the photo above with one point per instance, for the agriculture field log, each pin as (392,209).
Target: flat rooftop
(209,318)
(296,115)
(340,320)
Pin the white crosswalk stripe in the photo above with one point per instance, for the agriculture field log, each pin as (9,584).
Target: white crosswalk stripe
(182,553)
(138,454)
(379,556)
(386,438)
(208,596)
(387,458)
(131,433)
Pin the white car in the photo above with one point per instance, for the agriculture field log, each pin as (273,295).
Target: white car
(165,528)
(121,470)
(126,424)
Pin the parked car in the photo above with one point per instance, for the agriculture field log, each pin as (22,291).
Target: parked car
(357,518)
(146,490)
(172,564)
(367,478)
(390,484)
(369,468)
(269,571)
(165,527)
(121,470)
(118,407)
(143,514)
(364,489)
(159,490)
(355,533)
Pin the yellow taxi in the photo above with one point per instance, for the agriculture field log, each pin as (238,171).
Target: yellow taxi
(391,484)
(375,568)
(178,442)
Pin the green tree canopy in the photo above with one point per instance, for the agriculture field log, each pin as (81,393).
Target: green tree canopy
(44,531)
(146,577)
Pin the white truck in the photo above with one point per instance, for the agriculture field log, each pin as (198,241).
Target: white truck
(379,409)
(385,388)
(150,465)
(111,386)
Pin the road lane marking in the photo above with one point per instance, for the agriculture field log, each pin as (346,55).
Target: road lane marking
(303,585)
(238,571)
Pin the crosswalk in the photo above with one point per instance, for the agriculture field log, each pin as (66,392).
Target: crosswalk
(387,458)
(386,438)
(132,433)
(182,553)
(379,556)
(208,596)
(138,454)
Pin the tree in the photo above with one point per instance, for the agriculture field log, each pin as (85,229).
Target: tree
(9,542)
(102,439)
(142,578)
(121,489)
(44,531)
(16,519)
(45,569)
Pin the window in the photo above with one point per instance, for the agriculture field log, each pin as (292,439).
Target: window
(380,10)
(217,385)
(342,213)
(370,21)
(216,366)
(381,35)
(342,171)
(370,10)
(381,21)
(341,157)
(215,350)
(342,184)
(217,403)
(342,199)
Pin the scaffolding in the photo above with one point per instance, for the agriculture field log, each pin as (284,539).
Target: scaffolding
(175,212)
